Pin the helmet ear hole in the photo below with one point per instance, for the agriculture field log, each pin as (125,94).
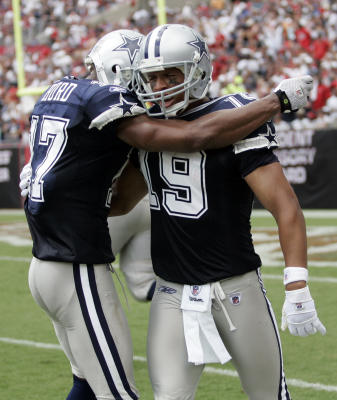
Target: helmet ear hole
(114,68)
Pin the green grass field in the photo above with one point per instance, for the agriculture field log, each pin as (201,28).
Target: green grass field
(31,370)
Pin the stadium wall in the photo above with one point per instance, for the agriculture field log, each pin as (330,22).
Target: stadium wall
(309,160)
(12,159)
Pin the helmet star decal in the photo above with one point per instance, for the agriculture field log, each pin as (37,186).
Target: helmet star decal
(125,106)
(130,45)
(201,46)
(270,136)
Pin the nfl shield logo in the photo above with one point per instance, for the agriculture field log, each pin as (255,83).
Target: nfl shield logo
(235,298)
(195,290)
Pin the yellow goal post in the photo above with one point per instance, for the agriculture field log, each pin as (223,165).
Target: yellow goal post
(22,89)
(19,53)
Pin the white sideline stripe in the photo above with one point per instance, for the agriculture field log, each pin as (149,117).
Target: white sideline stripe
(307,213)
(211,370)
(292,382)
(316,386)
(218,371)
(19,259)
(30,343)
(316,264)
(10,211)
(311,279)
(14,240)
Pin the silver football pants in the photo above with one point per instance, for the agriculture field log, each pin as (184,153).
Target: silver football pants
(254,345)
(82,302)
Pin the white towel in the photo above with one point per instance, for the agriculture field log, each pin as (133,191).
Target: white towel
(203,342)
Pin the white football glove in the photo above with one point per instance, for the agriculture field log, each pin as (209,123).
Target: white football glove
(293,93)
(25,178)
(299,313)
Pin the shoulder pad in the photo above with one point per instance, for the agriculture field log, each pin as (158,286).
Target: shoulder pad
(117,103)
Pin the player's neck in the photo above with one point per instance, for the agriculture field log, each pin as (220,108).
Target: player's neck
(196,103)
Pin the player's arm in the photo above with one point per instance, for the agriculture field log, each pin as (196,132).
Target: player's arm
(128,190)
(276,195)
(218,129)
(215,130)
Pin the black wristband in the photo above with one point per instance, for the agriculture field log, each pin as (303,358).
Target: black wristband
(284,101)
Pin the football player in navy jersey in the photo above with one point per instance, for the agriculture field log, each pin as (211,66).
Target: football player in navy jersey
(80,141)
(129,234)
(210,304)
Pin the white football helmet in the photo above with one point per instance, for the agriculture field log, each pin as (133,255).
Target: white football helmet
(173,46)
(113,57)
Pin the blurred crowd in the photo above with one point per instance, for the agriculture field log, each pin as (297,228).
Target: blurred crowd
(254,45)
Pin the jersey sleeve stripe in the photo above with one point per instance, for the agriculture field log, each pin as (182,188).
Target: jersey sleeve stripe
(113,114)
(258,142)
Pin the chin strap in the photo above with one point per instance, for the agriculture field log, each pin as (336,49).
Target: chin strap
(174,113)
(117,80)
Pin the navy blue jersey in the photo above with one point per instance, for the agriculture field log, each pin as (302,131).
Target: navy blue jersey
(201,205)
(75,155)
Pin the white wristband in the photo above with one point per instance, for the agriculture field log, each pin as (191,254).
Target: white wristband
(294,274)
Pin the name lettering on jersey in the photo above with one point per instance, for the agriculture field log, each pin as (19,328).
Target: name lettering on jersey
(59,91)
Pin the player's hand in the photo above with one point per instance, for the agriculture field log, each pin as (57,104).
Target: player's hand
(25,178)
(294,93)
(299,314)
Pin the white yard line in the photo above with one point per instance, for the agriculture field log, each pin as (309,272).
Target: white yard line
(15,240)
(311,278)
(291,382)
(30,343)
(17,259)
(14,211)
(211,370)
(267,263)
